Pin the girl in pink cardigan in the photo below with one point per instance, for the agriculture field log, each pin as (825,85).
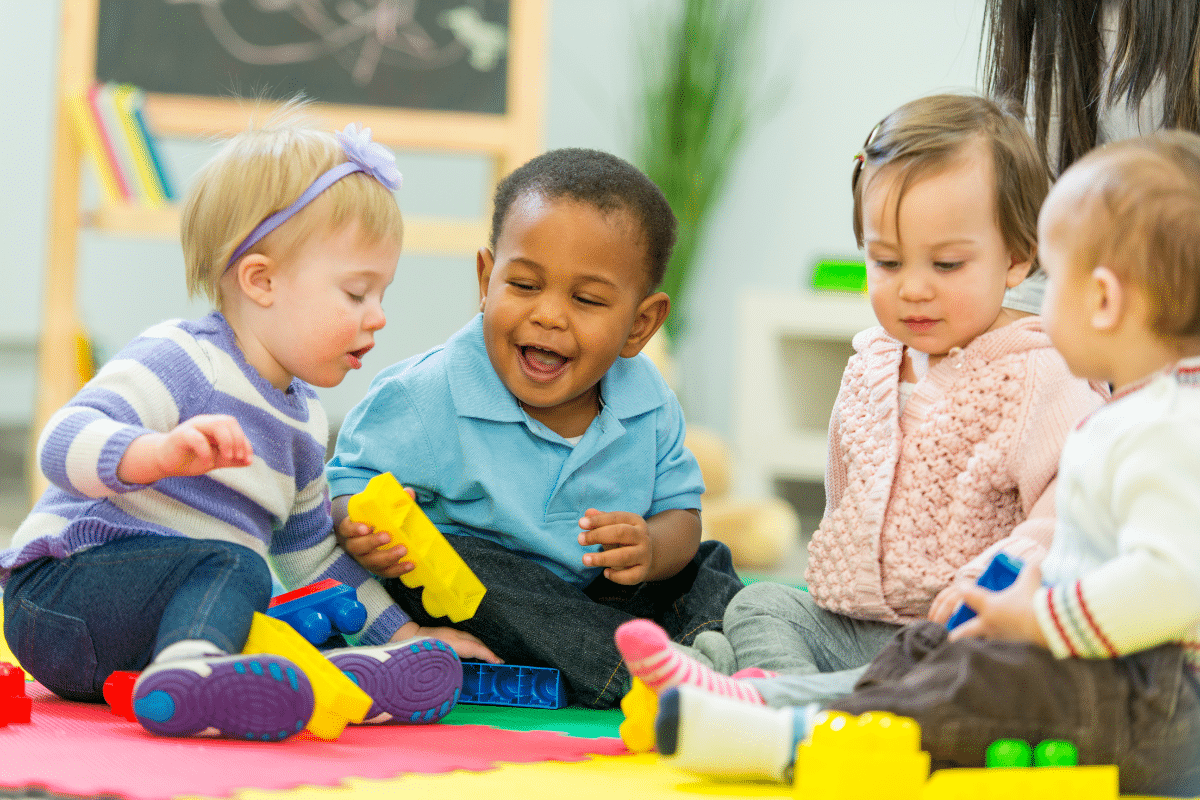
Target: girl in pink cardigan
(945,435)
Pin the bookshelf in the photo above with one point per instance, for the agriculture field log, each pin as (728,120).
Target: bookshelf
(792,349)
(510,139)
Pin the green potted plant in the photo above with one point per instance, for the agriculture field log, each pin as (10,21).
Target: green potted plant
(695,57)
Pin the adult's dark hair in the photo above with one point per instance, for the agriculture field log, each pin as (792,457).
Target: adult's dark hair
(601,180)
(1048,56)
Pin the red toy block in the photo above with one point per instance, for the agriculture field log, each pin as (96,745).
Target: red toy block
(295,594)
(118,693)
(14,705)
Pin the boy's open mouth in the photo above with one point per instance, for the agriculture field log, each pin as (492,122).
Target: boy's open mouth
(542,364)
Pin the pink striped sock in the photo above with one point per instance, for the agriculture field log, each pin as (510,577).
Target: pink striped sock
(649,655)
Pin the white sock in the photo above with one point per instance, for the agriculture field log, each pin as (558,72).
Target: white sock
(188,648)
(711,734)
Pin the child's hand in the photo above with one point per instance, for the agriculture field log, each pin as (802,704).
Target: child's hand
(194,447)
(1007,615)
(627,555)
(364,544)
(947,599)
(466,645)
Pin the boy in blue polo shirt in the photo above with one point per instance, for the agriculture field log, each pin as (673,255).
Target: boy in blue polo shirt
(542,444)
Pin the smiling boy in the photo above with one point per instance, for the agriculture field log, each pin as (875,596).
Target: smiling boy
(539,440)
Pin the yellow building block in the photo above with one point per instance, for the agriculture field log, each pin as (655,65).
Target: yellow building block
(6,655)
(338,700)
(640,706)
(451,589)
(1023,783)
(871,755)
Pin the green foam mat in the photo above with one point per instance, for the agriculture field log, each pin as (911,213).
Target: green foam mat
(586,723)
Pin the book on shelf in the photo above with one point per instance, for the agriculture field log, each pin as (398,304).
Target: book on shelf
(111,125)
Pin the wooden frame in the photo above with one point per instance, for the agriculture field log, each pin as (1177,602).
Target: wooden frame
(510,139)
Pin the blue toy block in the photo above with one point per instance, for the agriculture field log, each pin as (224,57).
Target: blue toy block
(319,609)
(999,574)
(512,685)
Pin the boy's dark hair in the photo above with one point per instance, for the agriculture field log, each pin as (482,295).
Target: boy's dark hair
(601,180)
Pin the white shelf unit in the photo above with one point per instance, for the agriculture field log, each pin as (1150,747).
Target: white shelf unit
(792,349)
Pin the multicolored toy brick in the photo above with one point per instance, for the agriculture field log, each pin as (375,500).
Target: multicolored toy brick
(640,706)
(451,589)
(317,610)
(338,699)
(15,706)
(871,755)
(512,685)
(1000,574)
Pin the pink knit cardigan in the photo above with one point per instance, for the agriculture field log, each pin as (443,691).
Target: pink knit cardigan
(914,501)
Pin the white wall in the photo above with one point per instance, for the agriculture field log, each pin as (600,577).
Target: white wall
(846,63)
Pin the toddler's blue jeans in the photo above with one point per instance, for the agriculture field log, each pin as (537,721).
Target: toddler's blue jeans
(72,622)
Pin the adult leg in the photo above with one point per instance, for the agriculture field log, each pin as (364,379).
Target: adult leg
(531,617)
(72,622)
(782,629)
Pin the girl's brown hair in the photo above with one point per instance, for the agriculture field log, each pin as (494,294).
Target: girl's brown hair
(922,137)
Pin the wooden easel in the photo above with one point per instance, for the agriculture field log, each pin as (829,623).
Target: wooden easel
(510,139)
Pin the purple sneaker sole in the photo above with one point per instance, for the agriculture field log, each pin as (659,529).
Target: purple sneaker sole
(415,682)
(259,697)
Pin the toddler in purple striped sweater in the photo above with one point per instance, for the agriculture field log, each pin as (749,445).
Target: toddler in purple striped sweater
(195,458)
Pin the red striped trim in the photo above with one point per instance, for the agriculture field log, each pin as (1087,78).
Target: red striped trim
(1058,626)
(1112,651)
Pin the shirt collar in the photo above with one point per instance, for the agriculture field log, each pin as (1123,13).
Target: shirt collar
(631,387)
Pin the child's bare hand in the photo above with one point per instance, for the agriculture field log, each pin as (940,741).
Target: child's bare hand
(463,643)
(367,546)
(1006,615)
(627,554)
(947,600)
(194,447)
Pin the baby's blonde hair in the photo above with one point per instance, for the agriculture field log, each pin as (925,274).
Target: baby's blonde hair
(1140,208)
(922,137)
(261,171)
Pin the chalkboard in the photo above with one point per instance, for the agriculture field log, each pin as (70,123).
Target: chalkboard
(435,55)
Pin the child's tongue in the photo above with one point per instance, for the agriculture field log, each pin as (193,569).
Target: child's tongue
(543,360)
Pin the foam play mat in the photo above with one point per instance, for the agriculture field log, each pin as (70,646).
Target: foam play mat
(82,749)
(75,750)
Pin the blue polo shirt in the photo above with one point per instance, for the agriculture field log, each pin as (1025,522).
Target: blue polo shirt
(444,424)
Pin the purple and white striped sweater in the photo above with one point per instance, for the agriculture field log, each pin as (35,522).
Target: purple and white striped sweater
(278,506)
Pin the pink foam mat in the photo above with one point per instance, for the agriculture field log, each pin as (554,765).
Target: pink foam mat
(83,749)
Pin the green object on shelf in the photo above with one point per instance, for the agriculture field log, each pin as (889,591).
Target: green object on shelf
(840,276)
(1009,753)
(1055,753)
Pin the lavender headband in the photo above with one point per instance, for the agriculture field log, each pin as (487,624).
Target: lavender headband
(363,156)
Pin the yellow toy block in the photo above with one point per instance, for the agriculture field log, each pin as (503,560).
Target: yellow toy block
(451,589)
(640,706)
(871,755)
(1023,783)
(338,700)
(6,655)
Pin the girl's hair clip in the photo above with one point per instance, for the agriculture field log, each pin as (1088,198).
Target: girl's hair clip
(860,158)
